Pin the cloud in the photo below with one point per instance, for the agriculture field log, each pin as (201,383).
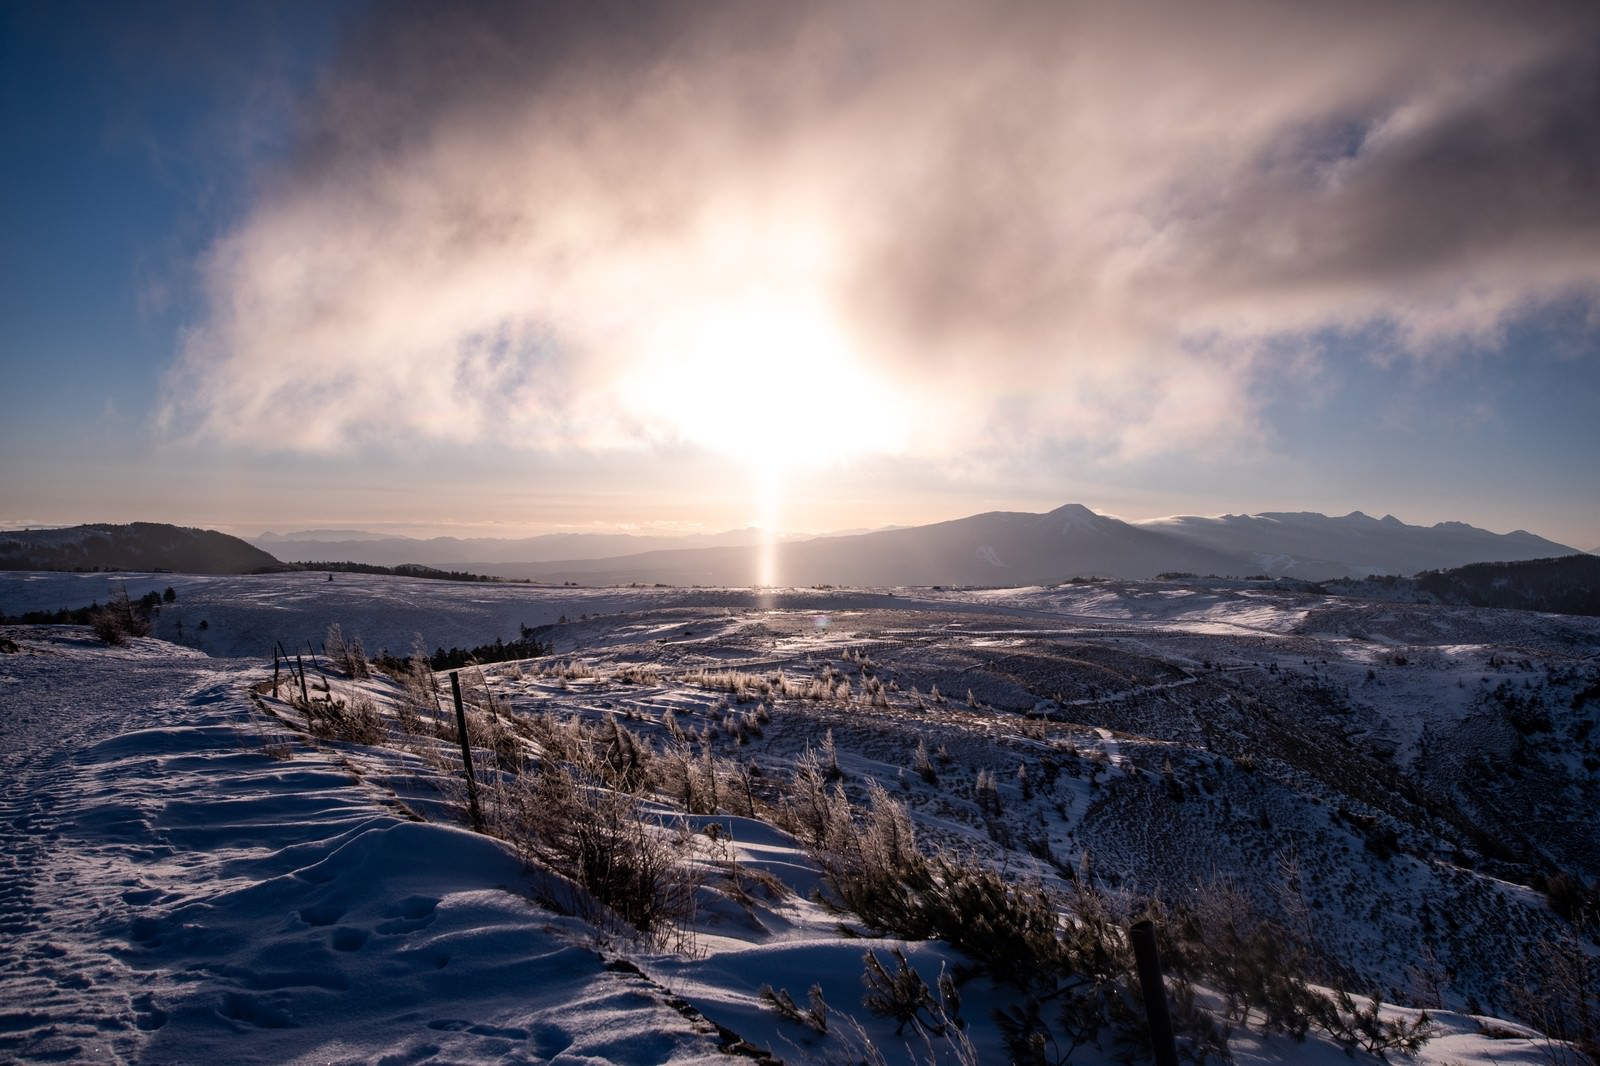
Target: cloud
(860,227)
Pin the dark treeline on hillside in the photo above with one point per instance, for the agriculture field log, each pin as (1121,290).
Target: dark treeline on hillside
(1566,585)
(526,647)
(403,570)
(144,607)
(64,616)
(141,546)
(113,623)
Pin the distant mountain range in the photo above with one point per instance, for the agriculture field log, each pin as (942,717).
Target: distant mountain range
(1315,546)
(997,548)
(138,546)
(389,550)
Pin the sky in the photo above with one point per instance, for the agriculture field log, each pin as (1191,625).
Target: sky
(521,267)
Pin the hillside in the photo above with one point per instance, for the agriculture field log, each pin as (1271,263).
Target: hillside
(1395,798)
(138,546)
(1568,585)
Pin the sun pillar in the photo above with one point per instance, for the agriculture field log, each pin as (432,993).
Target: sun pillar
(768,491)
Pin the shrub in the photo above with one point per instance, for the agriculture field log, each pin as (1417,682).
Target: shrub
(1556,988)
(1256,963)
(830,759)
(1355,1025)
(624,760)
(904,996)
(118,620)
(418,707)
(331,718)
(922,764)
(1063,954)
(813,1016)
(362,724)
(347,655)
(819,816)
(564,817)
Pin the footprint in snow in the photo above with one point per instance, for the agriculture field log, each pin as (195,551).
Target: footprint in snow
(249,1010)
(146,1015)
(409,915)
(321,914)
(348,938)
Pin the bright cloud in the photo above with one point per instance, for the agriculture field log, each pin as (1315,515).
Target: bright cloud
(806,232)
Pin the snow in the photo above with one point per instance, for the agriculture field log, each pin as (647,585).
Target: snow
(186,878)
(177,893)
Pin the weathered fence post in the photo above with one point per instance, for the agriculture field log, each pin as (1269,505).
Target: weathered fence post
(304,695)
(1143,935)
(274,673)
(327,685)
(466,753)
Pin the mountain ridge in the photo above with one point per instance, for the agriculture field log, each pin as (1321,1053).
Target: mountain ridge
(1004,548)
(133,546)
(1315,547)
(447,552)
(1024,548)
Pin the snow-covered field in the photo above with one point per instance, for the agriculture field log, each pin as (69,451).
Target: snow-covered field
(189,875)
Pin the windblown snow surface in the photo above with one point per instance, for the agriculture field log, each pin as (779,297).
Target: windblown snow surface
(187,875)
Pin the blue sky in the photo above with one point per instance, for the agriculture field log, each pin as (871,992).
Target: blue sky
(512,268)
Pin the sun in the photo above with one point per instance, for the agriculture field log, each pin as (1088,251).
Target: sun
(773,382)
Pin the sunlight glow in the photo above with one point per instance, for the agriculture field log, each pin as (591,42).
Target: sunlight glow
(769,492)
(772,381)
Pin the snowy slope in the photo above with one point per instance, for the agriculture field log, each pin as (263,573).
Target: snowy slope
(177,889)
(189,875)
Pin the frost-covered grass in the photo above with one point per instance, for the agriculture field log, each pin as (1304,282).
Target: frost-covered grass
(237,866)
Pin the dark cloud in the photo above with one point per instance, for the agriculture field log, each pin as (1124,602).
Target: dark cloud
(1503,178)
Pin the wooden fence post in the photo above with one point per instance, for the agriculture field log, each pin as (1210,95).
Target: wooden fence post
(326,684)
(1143,935)
(466,753)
